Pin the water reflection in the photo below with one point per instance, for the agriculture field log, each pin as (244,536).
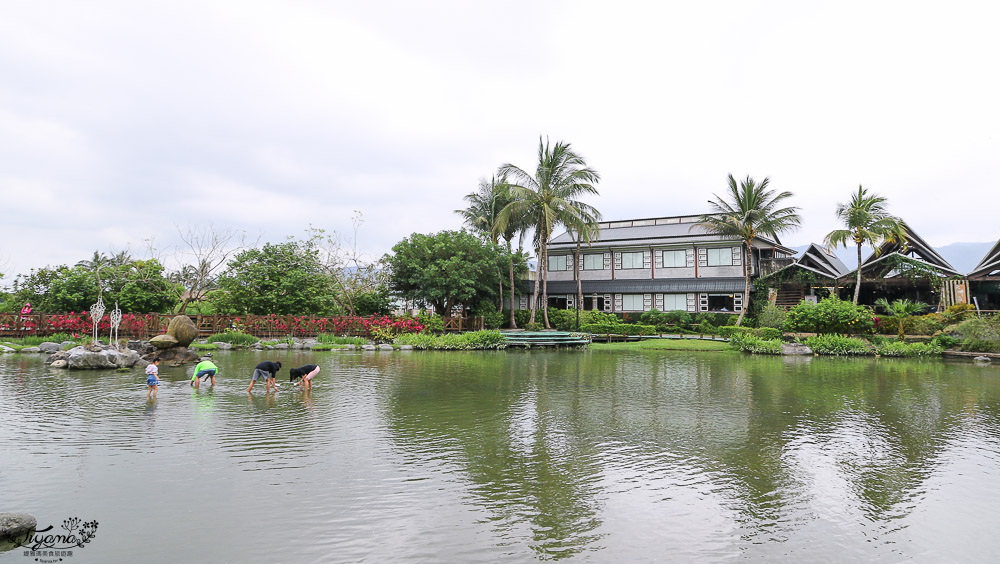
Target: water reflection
(512,456)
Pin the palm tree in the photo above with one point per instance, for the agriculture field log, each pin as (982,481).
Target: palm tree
(866,221)
(547,200)
(748,211)
(483,214)
(585,229)
(900,310)
(98,260)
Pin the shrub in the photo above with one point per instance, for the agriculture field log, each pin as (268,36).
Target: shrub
(831,315)
(771,316)
(946,341)
(676,317)
(838,345)
(34,340)
(565,319)
(474,340)
(959,312)
(980,334)
(532,326)
(768,333)
(897,348)
(328,339)
(618,329)
(235,338)
(729,331)
(706,328)
(747,342)
(432,323)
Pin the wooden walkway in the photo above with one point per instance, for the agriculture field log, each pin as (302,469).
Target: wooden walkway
(552,339)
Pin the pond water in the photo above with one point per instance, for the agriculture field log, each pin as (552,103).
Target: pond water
(593,456)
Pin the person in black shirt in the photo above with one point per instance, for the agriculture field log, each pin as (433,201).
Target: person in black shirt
(266,370)
(306,373)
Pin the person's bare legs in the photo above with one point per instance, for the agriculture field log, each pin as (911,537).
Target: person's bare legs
(149,391)
(251,386)
(213,381)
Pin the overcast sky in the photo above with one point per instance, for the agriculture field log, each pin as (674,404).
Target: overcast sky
(122,120)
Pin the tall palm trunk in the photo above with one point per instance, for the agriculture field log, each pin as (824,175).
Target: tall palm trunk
(510,257)
(746,286)
(857,286)
(538,281)
(579,283)
(545,284)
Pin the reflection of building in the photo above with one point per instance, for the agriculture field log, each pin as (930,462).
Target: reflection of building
(667,263)
(984,281)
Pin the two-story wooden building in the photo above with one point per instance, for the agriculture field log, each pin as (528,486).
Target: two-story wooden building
(667,263)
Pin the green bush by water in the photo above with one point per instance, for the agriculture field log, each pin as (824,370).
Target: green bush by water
(234,338)
(618,329)
(838,345)
(328,339)
(748,342)
(830,316)
(34,340)
(909,350)
(473,340)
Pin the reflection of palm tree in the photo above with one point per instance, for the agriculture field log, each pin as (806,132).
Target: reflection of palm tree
(749,210)
(867,221)
(548,199)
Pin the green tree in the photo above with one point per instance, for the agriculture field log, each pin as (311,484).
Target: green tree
(548,199)
(483,216)
(283,278)
(867,221)
(747,211)
(900,311)
(138,287)
(445,269)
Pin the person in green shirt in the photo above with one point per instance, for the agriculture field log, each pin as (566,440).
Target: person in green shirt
(206,369)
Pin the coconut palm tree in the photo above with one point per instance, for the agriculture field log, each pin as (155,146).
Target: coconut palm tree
(585,229)
(483,214)
(866,221)
(98,260)
(900,310)
(548,199)
(748,211)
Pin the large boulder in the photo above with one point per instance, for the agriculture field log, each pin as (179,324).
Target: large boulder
(163,341)
(49,347)
(14,527)
(795,349)
(182,329)
(96,358)
(175,355)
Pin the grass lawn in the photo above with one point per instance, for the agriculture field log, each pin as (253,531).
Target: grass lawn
(665,345)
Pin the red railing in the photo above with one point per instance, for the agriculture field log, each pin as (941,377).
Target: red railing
(144,326)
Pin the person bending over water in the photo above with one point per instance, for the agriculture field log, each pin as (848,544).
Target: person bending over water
(266,370)
(206,369)
(306,373)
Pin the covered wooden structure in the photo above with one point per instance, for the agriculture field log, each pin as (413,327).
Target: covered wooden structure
(909,268)
(984,281)
(817,272)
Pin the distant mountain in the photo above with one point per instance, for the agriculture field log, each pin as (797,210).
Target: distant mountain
(963,256)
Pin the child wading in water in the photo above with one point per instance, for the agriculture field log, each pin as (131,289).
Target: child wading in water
(306,373)
(152,377)
(206,369)
(266,370)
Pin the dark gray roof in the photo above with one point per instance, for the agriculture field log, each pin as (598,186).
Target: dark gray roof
(666,233)
(660,286)
(989,265)
(822,259)
(912,246)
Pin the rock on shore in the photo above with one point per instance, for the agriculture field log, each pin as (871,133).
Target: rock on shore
(14,525)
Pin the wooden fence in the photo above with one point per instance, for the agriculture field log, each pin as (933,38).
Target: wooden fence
(144,326)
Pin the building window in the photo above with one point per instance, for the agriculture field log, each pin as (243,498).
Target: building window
(720,257)
(593,262)
(632,260)
(674,302)
(674,259)
(557,262)
(721,302)
(632,302)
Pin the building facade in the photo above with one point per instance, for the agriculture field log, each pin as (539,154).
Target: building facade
(666,263)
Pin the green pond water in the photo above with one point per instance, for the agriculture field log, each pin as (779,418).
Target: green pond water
(595,456)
